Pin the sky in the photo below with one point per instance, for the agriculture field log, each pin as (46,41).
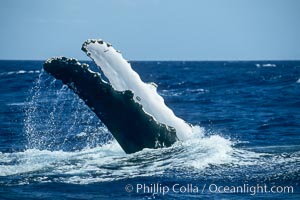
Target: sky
(152,29)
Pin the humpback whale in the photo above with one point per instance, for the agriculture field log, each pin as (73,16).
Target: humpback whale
(132,110)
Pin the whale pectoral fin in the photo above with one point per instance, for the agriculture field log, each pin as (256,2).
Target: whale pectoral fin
(131,126)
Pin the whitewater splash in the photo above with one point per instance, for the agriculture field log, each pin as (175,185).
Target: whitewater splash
(110,163)
(70,125)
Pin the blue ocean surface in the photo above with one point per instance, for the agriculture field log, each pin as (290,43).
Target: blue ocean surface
(246,144)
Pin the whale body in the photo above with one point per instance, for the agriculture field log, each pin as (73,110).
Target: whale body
(132,110)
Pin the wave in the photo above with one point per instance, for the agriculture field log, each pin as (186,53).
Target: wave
(265,65)
(199,156)
(109,162)
(184,92)
(20,72)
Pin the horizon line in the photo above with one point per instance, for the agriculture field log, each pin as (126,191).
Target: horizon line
(171,60)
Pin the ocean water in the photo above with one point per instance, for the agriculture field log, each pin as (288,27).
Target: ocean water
(246,118)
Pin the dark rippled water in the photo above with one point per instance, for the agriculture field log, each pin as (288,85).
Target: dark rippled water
(247,119)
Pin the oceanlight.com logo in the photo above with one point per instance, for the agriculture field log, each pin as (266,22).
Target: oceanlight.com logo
(158,188)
